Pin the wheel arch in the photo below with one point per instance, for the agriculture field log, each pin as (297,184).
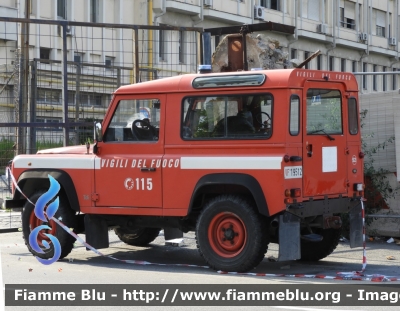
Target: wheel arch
(30,180)
(234,181)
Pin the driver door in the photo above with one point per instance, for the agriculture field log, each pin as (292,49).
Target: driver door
(130,154)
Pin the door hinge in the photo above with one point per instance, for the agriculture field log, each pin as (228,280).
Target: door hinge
(95,197)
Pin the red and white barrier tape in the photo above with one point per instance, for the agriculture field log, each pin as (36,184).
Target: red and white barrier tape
(80,240)
(352,276)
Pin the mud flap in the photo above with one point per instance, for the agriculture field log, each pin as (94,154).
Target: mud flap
(356,226)
(289,237)
(96,231)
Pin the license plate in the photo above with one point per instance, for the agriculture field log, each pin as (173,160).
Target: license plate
(293,172)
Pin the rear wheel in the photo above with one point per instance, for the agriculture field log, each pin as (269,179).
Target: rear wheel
(314,251)
(138,237)
(29,222)
(230,235)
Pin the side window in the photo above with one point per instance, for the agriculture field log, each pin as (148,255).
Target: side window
(227,117)
(134,120)
(324,112)
(353,116)
(294,117)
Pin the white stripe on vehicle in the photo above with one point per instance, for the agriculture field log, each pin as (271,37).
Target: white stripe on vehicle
(231,163)
(56,162)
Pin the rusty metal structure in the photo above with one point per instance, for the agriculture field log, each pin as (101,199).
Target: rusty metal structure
(237,49)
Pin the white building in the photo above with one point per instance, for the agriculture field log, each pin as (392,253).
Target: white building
(352,35)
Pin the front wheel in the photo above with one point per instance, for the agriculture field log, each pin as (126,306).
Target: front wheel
(230,235)
(29,222)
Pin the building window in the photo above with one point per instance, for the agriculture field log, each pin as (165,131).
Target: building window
(62,9)
(94,11)
(380,23)
(311,10)
(71,98)
(343,65)
(78,57)
(293,53)
(31,8)
(347,15)
(374,86)
(49,96)
(45,53)
(354,66)
(181,50)
(48,120)
(271,4)
(162,44)
(364,79)
(306,55)
(331,63)
(319,62)
(384,79)
(89,99)
(109,61)
(380,31)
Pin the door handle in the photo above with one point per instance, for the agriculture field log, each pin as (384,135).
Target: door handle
(147,169)
(309,151)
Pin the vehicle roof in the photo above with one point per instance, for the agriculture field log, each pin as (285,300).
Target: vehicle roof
(279,78)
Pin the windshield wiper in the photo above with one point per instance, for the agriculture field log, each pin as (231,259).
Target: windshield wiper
(323,131)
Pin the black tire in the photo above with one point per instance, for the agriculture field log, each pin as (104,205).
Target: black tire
(64,213)
(230,235)
(314,251)
(138,237)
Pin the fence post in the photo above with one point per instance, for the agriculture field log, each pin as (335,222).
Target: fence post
(24,78)
(118,77)
(136,64)
(32,148)
(64,78)
(77,99)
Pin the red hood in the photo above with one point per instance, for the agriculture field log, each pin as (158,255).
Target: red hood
(67,150)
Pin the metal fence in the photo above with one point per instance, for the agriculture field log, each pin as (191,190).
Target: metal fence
(9,220)
(57,77)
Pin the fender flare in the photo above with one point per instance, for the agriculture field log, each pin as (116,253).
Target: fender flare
(61,176)
(239,179)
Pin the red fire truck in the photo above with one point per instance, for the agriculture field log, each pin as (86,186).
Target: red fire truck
(243,159)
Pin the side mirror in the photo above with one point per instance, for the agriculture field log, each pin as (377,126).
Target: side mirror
(98,135)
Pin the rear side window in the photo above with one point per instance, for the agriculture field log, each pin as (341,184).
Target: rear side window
(227,117)
(353,116)
(294,122)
